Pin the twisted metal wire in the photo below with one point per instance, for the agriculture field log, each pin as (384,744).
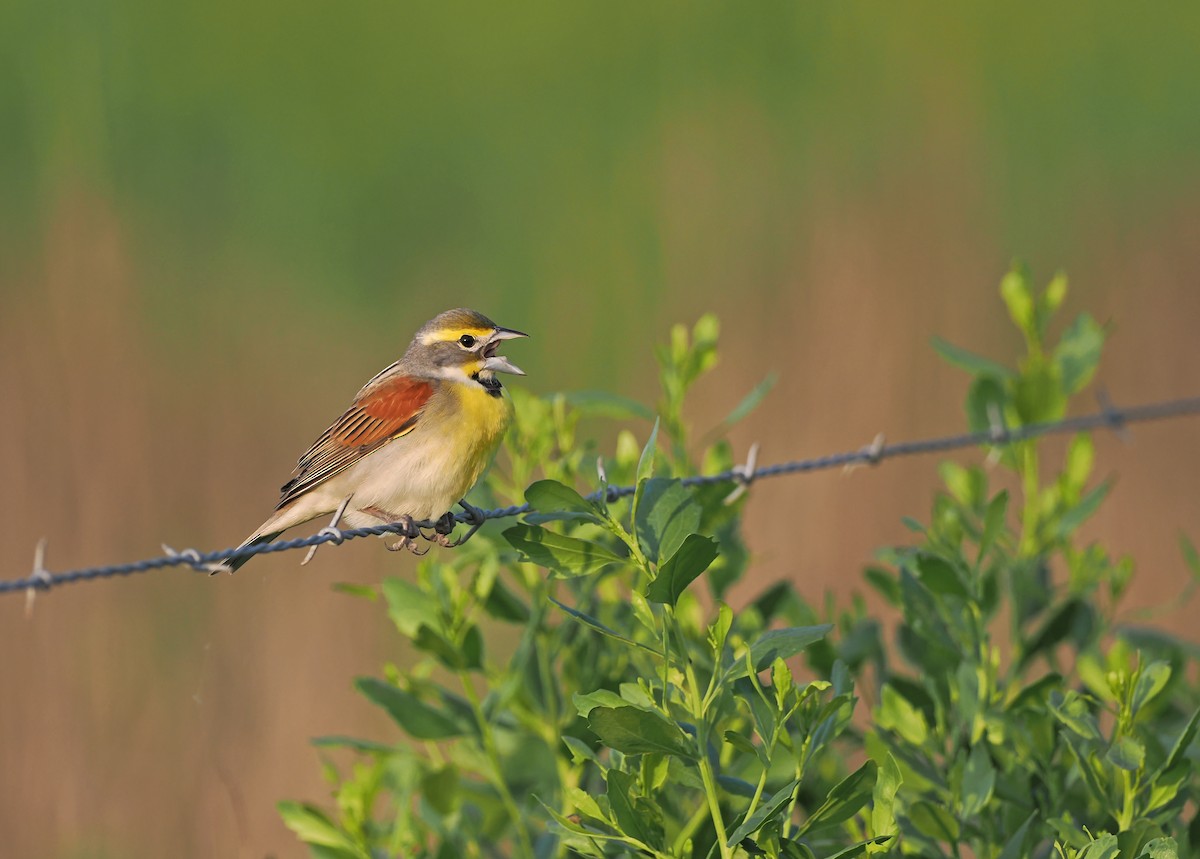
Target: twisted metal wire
(742,475)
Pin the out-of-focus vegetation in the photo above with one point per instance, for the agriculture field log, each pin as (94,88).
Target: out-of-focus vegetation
(365,151)
(218,219)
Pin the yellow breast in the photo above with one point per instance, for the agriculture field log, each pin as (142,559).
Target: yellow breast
(479,426)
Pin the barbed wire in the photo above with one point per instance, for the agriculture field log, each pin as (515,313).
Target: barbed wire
(742,476)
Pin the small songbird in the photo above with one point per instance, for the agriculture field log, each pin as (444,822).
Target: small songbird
(414,441)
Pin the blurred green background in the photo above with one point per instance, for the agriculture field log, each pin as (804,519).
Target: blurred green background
(218,219)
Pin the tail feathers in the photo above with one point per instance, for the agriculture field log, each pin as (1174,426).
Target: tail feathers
(254,539)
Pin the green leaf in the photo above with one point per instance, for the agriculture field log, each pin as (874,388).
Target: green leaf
(565,556)
(1104,847)
(939,575)
(682,569)
(417,718)
(933,821)
(637,732)
(1078,353)
(1065,620)
(1014,848)
(1073,712)
(861,847)
(1182,743)
(550,496)
(620,800)
(746,747)
(974,364)
(719,631)
(1052,297)
(1127,753)
(645,470)
(1160,848)
(592,622)
(1018,296)
(1081,457)
(985,397)
(883,810)
(667,512)
(1083,511)
(409,607)
(502,604)
(1151,680)
(312,827)
(1038,393)
(884,582)
(1190,556)
(1165,787)
(898,715)
(367,592)
(766,811)
(439,787)
(979,780)
(436,644)
(580,751)
(993,522)
(585,704)
(645,466)
(1035,693)
(1088,765)
(848,797)
(605,405)
(750,402)
(780,644)
(472,648)
(337,741)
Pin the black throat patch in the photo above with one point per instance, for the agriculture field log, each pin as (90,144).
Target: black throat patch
(492,385)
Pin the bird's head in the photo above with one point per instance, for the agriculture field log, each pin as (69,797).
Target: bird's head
(460,345)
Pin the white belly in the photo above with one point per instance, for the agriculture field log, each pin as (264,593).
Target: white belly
(412,476)
(422,474)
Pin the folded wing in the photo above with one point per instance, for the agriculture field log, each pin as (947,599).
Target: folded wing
(386,409)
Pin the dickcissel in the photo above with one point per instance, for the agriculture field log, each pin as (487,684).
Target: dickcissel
(414,441)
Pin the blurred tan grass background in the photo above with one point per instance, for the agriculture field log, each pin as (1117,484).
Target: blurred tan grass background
(217,219)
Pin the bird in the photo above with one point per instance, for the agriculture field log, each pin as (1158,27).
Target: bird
(413,442)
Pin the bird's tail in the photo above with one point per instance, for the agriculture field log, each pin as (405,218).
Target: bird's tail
(285,517)
(260,536)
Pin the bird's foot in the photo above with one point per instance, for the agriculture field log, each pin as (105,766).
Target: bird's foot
(408,532)
(446,524)
(442,530)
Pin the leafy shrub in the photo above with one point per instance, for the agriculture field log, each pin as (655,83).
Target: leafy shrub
(574,695)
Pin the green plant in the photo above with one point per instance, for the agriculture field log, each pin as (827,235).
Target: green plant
(573,695)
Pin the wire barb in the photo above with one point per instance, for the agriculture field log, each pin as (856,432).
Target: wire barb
(330,531)
(39,578)
(997,434)
(744,475)
(193,559)
(1116,422)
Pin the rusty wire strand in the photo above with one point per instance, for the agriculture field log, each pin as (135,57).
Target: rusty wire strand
(1108,417)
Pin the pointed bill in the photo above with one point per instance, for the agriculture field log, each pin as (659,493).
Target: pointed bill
(499,363)
(506,334)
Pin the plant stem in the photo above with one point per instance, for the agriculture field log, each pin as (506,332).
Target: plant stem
(707,776)
(1031,490)
(488,740)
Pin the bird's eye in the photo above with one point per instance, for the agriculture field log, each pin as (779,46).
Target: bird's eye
(466,341)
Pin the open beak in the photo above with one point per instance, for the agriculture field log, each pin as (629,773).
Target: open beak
(498,363)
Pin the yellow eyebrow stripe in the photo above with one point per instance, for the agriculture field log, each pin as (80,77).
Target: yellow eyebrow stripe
(446,335)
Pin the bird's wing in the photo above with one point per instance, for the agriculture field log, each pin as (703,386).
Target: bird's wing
(387,408)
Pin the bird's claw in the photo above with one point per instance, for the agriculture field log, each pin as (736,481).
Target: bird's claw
(407,536)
